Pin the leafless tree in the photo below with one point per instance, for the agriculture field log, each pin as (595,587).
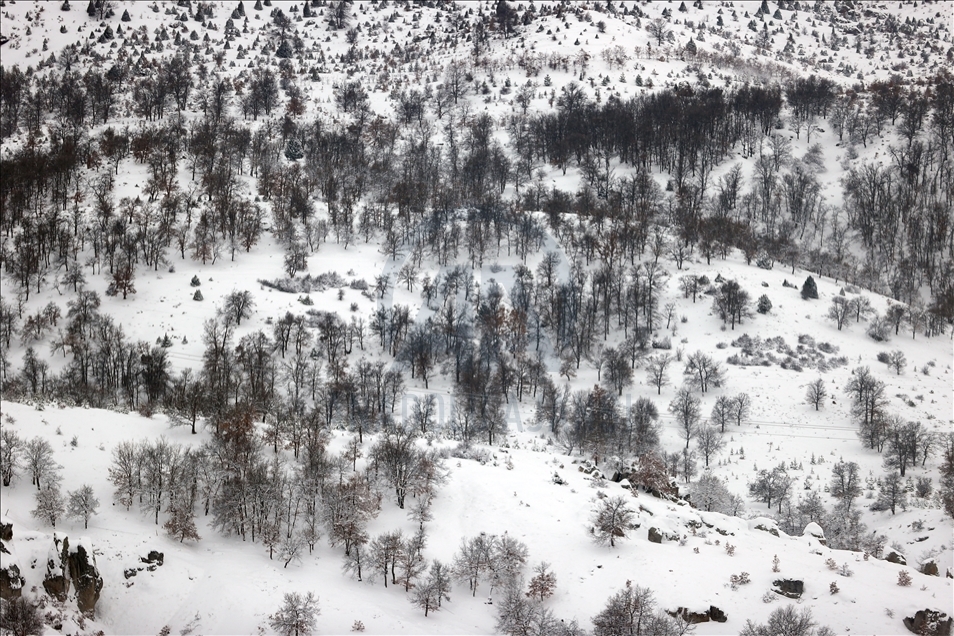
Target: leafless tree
(686,408)
(816,393)
(657,368)
(659,30)
(612,520)
(709,440)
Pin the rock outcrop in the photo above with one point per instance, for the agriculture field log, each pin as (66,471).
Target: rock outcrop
(896,557)
(85,576)
(929,622)
(56,581)
(153,557)
(930,568)
(11,583)
(815,530)
(711,614)
(789,587)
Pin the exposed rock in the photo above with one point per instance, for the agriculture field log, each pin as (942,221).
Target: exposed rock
(11,583)
(930,568)
(928,622)
(655,536)
(711,614)
(85,575)
(56,581)
(690,617)
(128,573)
(6,530)
(789,587)
(815,530)
(894,557)
(763,528)
(153,557)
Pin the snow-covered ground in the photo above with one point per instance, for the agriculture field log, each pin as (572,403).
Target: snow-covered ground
(222,585)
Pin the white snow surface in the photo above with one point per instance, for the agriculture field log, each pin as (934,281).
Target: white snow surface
(222,585)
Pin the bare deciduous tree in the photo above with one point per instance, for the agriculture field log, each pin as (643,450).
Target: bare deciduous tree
(816,393)
(659,30)
(709,440)
(612,520)
(658,371)
(296,616)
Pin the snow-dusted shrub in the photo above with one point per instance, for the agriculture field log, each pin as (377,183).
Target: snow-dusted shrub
(735,580)
(879,330)
(467,451)
(828,348)
(21,616)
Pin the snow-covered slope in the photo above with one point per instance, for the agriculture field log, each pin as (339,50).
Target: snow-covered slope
(226,585)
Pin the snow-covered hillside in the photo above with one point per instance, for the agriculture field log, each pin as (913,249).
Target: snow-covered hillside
(243,243)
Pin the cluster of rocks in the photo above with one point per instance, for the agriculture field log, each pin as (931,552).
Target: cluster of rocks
(153,560)
(589,468)
(711,614)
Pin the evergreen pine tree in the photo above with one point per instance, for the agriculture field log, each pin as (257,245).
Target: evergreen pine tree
(284,50)
(809,289)
(293,151)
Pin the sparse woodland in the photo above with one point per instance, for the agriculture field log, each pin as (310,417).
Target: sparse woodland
(524,231)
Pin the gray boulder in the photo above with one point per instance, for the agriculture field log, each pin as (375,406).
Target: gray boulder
(790,588)
(930,568)
(895,557)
